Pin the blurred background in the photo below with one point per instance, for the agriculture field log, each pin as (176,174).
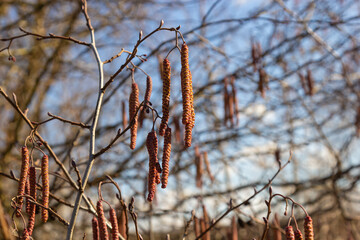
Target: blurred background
(268,77)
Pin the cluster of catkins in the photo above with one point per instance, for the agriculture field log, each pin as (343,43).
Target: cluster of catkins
(99,227)
(307,83)
(230,103)
(188,120)
(297,235)
(256,54)
(201,157)
(27,186)
(201,224)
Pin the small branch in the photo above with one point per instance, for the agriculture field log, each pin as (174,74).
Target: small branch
(114,57)
(53,36)
(80,124)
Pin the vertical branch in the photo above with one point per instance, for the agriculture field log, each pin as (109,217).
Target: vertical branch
(90,162)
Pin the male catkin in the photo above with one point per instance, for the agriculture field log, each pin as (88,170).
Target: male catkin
(45,187)
(166,96)
(133,106)
(166,157)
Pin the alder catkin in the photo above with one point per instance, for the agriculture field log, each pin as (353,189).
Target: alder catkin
(23,177)
(152,147)
(148,90)
(95,229)
(234,230)
(254,56)
(226,102)
(188,135)
(310,82)
(235,100)
(122,222)
(308,228)
(207,165)
(357,122)
(199,167)
(289,233)
(166,96)
(276,231)
(124,115)
(166,158)
(186,84)
(102,221)
(25,235)
(32,178)
(27,192)
(197,227)
(298,235)
(133,106)
(263,79)
(114,224)
(45,187)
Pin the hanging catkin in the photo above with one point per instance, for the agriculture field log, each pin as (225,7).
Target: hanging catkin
(23,177)
(235,100)
(186,84)
(122,221)
(32,178)
(102,221)
(133,106)
(207,165)
(226,102)
(308,228)
(263,79)
(166,157)
(124,115)
(95,229)
(234,230)
(166,96)
(152,147)
(45,187)
(114,225)
(310,82)
(147,102)
(27,192)
(298,235)
(199,167)
(289,233)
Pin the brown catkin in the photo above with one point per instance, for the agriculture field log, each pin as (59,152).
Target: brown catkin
(289,233)
(95,229)
(199,167)
(166,158)
(188,135)
(147,102)
(310,82)
(357,122)
(186,84)
(114,224)
(166,96)
(263,79)
(298,235)
(27,192)
(176,121)
(102,221)
(133,106)
(197,227)
(45,187)
(206,222)
(148,90)
(124,115)
(207,165)
(235,100)
(203,228)
(23,177)
(152,147)
(32,178)
(254,56)
(122,222)
(308,228)
(276,230)
(25,235)
(303,82)
(226,102)
(234,230)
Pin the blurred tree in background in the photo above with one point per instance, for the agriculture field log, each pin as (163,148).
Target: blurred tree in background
(268,77)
